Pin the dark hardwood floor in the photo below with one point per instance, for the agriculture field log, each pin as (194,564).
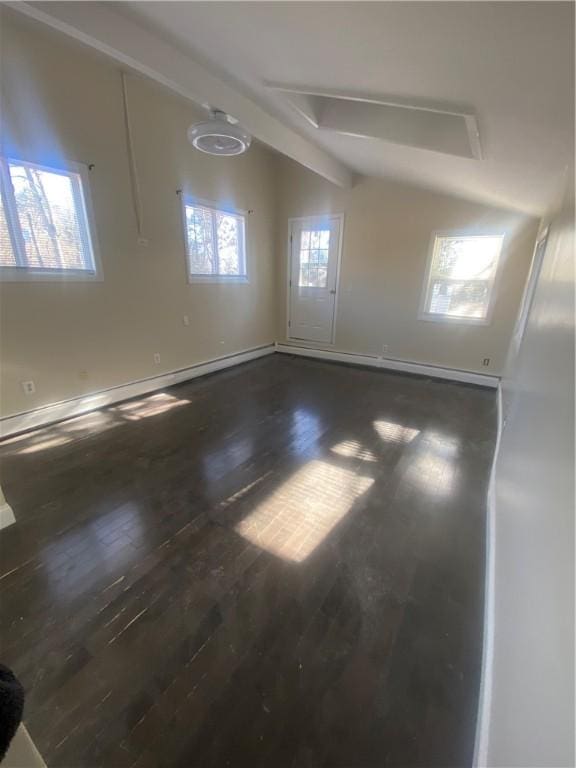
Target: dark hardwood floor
(277,565)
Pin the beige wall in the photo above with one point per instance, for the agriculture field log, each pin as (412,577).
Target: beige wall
(59,99)
(387,232)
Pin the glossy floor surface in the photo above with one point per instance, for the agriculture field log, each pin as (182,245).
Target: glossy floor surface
(277,565)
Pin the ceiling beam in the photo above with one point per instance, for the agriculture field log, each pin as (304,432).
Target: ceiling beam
(99,26)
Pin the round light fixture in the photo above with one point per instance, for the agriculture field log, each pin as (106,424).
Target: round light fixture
(219,136)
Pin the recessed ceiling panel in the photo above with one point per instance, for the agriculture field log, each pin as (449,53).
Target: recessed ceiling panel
(452,131)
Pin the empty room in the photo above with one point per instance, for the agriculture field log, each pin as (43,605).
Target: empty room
(287,384)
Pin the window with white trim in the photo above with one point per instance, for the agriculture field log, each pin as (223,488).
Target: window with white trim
(215,243)
(460,280)
(44,230)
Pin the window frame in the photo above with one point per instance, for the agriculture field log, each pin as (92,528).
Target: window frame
(424,314)
(190,200)
(21,274)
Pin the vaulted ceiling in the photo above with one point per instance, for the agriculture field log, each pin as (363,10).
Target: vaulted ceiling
(509,63)
(472,98)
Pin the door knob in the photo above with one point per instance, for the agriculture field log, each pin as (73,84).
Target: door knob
(333,292)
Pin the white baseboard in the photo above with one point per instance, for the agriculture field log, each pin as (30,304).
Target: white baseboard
(11,425)
(486,678)
(22,752)
(39,417)
(434,371)
(6,516)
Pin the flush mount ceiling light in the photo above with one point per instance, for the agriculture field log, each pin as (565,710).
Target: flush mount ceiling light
(220,135)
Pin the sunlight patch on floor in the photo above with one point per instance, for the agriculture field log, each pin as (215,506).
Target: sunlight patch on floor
(93,423)
(150,406)
(62,433)
(90,423)
(299,515)
(394,433)
(352,449)
(42,445)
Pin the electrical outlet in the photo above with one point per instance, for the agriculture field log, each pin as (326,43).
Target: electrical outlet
(157,358)
(29,387)
(486,361)
(384,349)
(143,241)
(186,320)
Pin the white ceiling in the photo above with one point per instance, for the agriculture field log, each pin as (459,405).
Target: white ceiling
(509,62)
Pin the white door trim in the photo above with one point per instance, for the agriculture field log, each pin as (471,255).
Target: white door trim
(292,220)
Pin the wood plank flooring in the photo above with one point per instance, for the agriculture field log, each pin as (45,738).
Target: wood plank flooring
(277,565)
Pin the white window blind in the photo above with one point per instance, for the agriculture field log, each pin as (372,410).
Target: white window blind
(43,222)
(214,243)
(461,276)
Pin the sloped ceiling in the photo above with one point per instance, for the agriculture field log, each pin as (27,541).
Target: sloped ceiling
(100,26)
(510,63)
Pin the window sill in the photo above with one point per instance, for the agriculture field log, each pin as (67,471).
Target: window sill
(452,320)
(24,275)
(222,279)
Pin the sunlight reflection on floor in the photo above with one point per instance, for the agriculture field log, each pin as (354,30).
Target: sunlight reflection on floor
(306,428)
(103,545)
(435,468)
(235,451)
(299,515)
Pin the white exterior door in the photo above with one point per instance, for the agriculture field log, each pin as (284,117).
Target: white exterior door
(314,254)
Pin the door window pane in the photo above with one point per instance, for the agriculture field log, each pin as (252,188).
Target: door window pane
(314,249)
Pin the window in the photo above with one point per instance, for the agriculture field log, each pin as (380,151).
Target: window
(314,247)
(214,244)
(44,229)
(461,278)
